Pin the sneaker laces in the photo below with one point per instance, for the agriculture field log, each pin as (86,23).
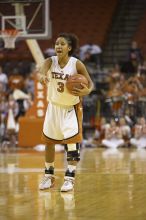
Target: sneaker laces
(67,181)
(45,178)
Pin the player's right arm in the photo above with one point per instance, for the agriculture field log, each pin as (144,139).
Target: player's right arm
(43,71)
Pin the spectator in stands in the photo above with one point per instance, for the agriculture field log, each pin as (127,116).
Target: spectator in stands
(8,111)
(93,140)
(139,139)
(21,97)
(141,73)
(29,84)
(23,67)
(103,126)
(116,77)
(113,136)
(142,68)
(16,81)
(12,104)
(3,80)
(83,50)
(134,58)
(9,124)
(17,88)
(3,115)
(49,52)
(115,95)
(98,135)
(135,54)
(132,90)
(126,130)
(90,52)
(28,102)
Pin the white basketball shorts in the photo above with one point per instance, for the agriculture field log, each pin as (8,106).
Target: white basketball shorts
(63,124)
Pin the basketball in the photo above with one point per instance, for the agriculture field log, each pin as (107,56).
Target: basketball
(75,81)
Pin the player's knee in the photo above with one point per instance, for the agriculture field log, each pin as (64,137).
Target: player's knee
(73,152)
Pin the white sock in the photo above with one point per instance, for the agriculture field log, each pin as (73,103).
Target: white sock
(71,168)
(48,165)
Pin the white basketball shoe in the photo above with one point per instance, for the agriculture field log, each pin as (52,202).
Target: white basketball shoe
(47,182)
(48,179)
(68,184)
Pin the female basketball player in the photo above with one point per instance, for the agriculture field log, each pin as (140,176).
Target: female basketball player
(63,121)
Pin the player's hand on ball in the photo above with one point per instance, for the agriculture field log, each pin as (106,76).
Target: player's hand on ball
(82,91)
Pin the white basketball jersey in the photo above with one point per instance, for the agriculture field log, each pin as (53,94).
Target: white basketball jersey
(57,91)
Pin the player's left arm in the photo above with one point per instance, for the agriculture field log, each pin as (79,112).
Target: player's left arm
(81,69)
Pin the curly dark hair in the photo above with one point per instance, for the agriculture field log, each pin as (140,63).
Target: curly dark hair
(72,40)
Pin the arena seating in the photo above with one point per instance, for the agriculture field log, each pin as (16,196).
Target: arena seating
(140,35)
(90,20)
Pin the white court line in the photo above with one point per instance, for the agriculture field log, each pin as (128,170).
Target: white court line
(13,169)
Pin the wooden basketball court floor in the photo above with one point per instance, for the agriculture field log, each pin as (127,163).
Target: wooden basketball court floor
(110,185)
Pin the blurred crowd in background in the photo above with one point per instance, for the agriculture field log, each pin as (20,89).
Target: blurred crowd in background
(114,113)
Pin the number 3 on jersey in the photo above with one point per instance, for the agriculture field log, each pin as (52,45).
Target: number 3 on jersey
(60,87)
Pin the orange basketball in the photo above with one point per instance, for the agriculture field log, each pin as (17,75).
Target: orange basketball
(75,81)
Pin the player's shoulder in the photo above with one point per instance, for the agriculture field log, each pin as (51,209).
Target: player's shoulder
(48,60)
(51,59)
(79,63)
(73,59)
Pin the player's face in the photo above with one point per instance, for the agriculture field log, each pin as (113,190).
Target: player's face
(61,47)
